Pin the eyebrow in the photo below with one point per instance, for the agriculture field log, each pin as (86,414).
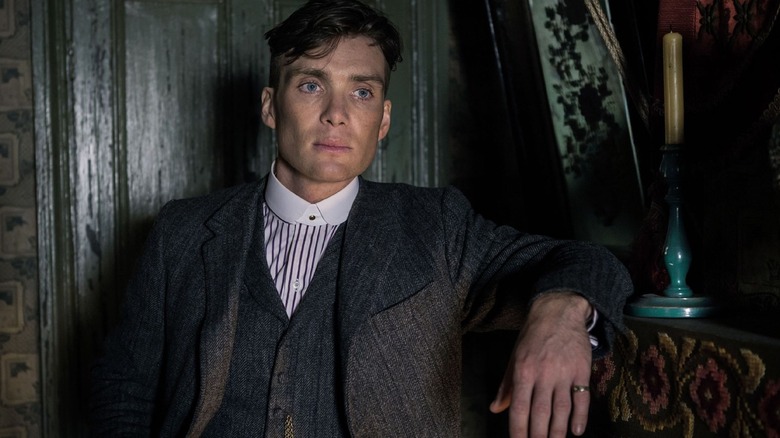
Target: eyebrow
(305,71)
(368,78)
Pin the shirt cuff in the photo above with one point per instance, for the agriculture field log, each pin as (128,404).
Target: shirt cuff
(591,324)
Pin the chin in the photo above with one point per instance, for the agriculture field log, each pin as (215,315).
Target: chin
(335,173)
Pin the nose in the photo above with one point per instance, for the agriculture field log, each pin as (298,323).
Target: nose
(335,111)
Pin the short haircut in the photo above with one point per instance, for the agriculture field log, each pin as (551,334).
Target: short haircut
(315,29)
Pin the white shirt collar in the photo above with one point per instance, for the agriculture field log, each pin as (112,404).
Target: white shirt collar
(291,208)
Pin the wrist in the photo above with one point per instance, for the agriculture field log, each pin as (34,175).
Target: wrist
(565,304)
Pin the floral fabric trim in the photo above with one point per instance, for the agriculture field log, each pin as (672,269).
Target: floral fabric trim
(687,387)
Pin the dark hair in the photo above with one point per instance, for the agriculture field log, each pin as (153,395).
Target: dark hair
(316,28)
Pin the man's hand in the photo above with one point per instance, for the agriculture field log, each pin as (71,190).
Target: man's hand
(552,354)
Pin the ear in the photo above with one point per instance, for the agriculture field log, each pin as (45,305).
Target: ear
(268,110)
(384,125)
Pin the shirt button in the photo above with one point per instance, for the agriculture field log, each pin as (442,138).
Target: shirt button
(296,284)
(312,217)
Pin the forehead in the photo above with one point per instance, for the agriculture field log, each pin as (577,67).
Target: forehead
(351,57)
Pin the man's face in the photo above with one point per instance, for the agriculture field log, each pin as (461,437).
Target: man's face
(329,114)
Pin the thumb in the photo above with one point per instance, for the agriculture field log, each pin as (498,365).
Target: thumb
(503,396)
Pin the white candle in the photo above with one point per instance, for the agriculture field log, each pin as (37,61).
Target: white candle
(673,88)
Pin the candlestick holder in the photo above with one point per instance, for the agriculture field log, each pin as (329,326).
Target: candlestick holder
(678,300)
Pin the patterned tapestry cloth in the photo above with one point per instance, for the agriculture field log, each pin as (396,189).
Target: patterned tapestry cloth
(669,381)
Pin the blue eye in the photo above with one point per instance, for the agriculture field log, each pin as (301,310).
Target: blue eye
(310,87)
(363,93)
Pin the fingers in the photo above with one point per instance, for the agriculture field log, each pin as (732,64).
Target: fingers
(541,413)
(550,412)
(525,407)
(561,408)
(579,415)
(536,407)
(544,401)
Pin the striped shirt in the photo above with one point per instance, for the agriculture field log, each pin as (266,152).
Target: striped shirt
(296,235)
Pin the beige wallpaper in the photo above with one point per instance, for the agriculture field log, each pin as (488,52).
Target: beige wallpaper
(20,407)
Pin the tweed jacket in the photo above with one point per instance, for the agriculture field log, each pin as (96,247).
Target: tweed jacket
(418,268)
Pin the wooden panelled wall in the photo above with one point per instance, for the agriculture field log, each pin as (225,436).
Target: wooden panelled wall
(138,102)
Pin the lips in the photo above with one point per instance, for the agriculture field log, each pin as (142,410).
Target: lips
(332,145)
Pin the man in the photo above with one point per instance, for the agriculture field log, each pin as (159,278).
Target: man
(318,304)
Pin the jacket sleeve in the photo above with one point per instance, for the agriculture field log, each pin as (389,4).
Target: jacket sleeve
(504,270)
(125,379)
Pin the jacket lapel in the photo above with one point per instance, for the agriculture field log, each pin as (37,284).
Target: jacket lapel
(382,264)
(224,259)
(257,275)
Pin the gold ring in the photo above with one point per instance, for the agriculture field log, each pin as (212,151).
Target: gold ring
(580,388)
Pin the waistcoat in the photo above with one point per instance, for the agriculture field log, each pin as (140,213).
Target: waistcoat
(283,378)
